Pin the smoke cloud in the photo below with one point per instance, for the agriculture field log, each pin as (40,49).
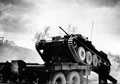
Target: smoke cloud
(12,13)
(9,51)
(102,3)
(97,3)
(19,17)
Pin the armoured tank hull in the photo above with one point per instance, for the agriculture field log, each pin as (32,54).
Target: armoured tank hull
(71,49)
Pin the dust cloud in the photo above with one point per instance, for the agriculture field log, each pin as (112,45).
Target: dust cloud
(9,51)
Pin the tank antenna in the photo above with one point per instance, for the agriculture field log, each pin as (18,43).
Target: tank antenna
(92,30)
(63,30)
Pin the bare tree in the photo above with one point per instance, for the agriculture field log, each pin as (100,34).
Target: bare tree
(71,30)
(41,35)
(74,29)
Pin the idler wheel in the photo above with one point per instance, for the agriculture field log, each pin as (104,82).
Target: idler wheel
(88,57)
(81,53)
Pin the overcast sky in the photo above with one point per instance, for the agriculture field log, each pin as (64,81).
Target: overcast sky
(21,19)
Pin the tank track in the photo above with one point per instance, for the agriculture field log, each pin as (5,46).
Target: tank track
(73,50)
(74,41)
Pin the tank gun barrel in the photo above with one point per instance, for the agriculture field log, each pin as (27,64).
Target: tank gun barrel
(63,30)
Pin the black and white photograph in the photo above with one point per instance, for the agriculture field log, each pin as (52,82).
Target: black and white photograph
(59,41)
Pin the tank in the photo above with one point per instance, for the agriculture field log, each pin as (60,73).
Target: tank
(72,48)
(67,60)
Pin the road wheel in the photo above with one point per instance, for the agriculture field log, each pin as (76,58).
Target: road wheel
(88,57)
(58,78)
(73,78)
(95,60)
(81,53)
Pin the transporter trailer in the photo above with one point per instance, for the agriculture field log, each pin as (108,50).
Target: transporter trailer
(27,73)
(67,60)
